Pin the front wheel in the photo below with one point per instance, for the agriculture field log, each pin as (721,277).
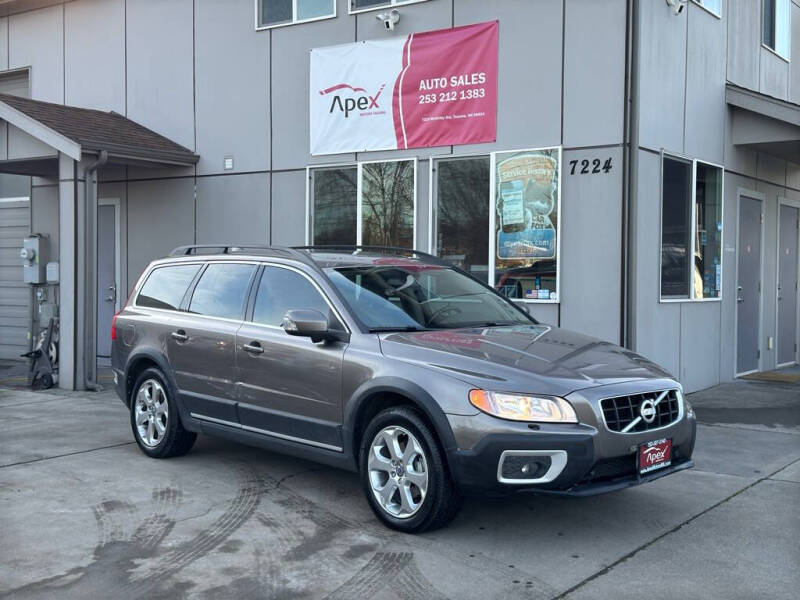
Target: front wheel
(154,418)
(404,473)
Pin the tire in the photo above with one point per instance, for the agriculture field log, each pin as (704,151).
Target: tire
(404,505)
(158,432)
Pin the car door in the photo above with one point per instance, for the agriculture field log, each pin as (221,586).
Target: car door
(289,387)
(201,344)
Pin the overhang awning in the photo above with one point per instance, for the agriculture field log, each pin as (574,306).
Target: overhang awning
(75,131)
(764,123)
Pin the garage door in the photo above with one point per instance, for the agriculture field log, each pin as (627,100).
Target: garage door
(15,296)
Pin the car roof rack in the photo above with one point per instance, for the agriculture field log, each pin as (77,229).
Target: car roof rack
(230,249)
(353,249)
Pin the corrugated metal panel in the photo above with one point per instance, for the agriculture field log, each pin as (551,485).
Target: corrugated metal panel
(15,296)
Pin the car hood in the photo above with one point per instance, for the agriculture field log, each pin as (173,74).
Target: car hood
(524,358)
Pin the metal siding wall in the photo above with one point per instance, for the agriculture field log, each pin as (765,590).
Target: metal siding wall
(744,42)
(36,40)
(289,208)
(705,85)
(94,42)
(594,72)
(160,74)
(699,340)
(161,216)
(529,76)
(290,75)
(232,65)
(662,76)
(4,43)
(591,209)
(774,79)
(44,216)
(658,325)
(794,75)
(727,347)
(233,209)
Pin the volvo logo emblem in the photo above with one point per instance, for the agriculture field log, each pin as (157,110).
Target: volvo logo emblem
(648,410)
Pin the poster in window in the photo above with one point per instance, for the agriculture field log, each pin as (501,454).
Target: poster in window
(527,200)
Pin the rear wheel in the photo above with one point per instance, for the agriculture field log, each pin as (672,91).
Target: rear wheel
(404,473)
(154,417)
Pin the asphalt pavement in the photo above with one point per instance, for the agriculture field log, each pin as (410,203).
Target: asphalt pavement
(84,514)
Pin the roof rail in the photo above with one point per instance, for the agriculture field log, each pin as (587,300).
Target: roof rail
(211,249)
(380,249)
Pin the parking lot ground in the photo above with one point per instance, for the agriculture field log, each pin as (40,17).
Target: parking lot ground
(84,514)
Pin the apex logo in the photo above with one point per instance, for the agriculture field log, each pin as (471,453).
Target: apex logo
(347,105)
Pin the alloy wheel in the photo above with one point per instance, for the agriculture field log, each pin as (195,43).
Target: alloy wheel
(151,412)
(398,471)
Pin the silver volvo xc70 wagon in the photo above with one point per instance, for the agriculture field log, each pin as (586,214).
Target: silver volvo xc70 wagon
(394,364)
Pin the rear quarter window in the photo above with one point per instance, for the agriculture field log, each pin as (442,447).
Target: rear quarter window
(166,286)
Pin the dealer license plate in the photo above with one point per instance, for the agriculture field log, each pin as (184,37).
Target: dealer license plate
(655,455)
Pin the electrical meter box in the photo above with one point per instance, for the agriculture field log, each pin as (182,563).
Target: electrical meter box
(33,263)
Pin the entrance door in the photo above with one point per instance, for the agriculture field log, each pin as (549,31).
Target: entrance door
(748,290)
(107,272)
(787,284)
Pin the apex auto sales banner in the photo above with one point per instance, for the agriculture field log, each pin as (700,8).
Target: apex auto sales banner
(436,88)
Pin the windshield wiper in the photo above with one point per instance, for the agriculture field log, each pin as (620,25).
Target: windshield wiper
(396,328)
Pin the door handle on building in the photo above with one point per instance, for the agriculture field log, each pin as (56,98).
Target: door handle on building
(112,297)
(179,336)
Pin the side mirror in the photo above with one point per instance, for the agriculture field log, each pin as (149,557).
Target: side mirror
(309,323)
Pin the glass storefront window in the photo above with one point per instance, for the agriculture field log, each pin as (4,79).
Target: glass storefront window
(461,221)
(708,231)
(676,223)
(334,207)
(271,13)
(387,204)
(691,230)
(527,224)
(385,216)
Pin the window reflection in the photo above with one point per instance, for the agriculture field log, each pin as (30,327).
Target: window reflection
(387,204)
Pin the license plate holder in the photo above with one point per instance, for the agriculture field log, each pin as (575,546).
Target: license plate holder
(654,455)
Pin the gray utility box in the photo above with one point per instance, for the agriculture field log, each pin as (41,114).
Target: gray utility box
(33,259)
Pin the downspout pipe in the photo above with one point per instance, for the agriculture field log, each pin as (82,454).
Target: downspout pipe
(630,179)
(90,265)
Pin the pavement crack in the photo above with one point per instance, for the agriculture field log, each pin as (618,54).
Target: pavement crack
(660,537)
(35,460)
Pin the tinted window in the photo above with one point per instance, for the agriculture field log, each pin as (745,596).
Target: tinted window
(676,225)
(281,290)
(221,291)
(166,286)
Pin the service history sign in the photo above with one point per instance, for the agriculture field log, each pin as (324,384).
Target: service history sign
(436,88)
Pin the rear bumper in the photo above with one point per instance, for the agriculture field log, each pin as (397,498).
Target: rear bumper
(596,461)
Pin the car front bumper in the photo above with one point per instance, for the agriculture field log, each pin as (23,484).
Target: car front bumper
(574,459)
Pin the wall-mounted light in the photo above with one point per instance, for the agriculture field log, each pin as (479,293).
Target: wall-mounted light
(677,5)
(390,18)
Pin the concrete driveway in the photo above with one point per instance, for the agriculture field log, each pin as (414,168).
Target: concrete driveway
(84,514)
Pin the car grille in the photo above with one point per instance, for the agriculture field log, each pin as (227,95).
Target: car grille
(623,413)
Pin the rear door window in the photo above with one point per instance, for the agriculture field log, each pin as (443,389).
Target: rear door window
(166,286)
(281,290)
(222,290)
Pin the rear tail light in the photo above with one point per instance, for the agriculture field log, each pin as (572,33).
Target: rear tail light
(114,327)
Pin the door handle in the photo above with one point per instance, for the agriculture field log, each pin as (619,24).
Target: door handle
(253,348)
(179,336)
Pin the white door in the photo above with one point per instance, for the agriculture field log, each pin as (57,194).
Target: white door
(15,296)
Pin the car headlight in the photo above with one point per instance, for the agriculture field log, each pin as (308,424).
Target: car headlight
(518,407)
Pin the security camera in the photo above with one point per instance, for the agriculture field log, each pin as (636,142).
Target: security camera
(677,5)
(389,19)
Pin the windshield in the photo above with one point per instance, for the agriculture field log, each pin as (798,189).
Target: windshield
(419,296)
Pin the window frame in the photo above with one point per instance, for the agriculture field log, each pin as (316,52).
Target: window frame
(764,45)
(493,222)
(309,233)
(294,21)
(387,4)
(256,284)
(693,232)
(186,294)
(702,5)
(189,296)
(433,198)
